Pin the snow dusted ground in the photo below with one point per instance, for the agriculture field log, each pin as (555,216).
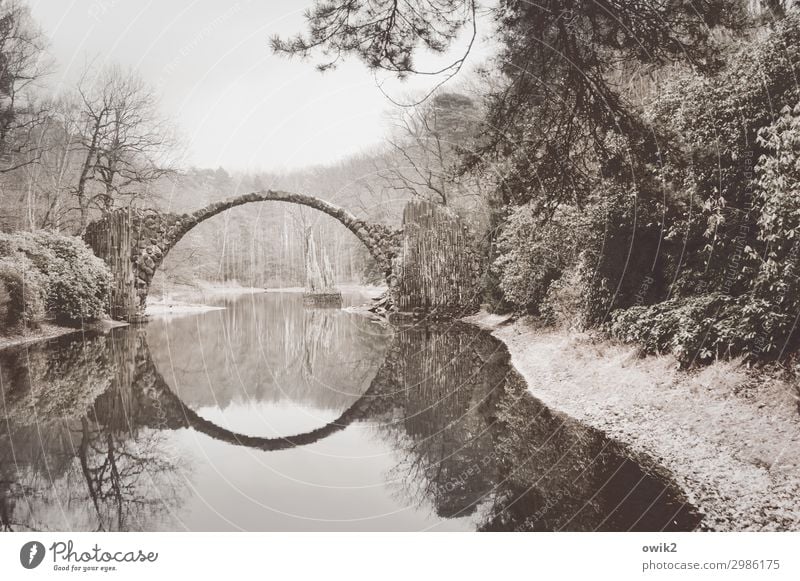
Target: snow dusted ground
(728,435)
(189,301)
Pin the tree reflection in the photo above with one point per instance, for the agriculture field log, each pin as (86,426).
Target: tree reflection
(474,442)
(68,466)
(268,351)
(126,478)
(440,381)
(87,423)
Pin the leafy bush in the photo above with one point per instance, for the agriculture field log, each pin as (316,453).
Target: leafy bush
(736,288)
(564,305)
(699,329)
(693,329)
(78,280)
(760,322)
(22,294)
(62,273)
(493,299)
(708,127)
(777,282)
(533,254)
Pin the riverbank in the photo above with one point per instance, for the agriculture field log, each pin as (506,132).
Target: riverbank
(191,299)
(44,332)
(51,331)
(729,436)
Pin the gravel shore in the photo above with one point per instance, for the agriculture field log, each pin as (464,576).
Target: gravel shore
(728,435)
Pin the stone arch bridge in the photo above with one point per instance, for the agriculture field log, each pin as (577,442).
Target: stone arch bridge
(428,261)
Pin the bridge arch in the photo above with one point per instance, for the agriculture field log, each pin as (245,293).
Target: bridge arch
(160,407)
(187,417)
(381,241)
(135,242)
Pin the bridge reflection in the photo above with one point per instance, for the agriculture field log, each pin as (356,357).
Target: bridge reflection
(84,442)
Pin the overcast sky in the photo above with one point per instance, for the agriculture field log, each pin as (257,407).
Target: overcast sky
(237,105)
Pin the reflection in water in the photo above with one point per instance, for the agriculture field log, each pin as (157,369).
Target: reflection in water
(268,348)
(475,442)
(271,416)
(73,459)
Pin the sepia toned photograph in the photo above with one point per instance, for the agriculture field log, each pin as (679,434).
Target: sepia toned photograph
(330,266)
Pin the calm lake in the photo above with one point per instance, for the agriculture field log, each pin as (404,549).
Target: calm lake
(270,416)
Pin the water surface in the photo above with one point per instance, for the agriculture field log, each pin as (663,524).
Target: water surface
(272,416)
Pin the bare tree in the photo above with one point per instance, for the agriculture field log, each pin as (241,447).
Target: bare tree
(424,158)
(420,163)
(46,184)
(21,64)
(124,144)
